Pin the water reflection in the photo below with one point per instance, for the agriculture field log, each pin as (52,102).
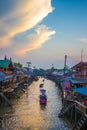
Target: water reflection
(42,107)
(28,114)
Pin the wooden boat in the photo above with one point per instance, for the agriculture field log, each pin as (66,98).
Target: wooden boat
(41,85)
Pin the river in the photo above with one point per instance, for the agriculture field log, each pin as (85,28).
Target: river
(27,114)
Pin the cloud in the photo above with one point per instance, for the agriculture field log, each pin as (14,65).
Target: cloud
(25,15)
(83,40)
(36,40)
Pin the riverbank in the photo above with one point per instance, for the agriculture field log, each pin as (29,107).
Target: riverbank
(73,108)
(7,95)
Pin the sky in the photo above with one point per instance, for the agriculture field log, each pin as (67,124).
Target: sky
(43,32)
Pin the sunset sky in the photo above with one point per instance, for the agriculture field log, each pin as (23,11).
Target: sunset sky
(43,31)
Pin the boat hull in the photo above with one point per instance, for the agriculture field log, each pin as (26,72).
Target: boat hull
(43,100)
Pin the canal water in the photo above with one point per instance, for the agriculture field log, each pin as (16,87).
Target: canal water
(27,114)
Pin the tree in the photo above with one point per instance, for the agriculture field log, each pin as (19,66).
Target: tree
(19,65)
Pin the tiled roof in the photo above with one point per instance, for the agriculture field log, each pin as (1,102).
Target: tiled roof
(4,63)
(80,64)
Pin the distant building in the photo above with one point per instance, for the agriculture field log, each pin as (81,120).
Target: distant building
(6,66)
(38,72)
(80,70)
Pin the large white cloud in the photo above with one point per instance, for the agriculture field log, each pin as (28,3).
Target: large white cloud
(25,15)
(36,40)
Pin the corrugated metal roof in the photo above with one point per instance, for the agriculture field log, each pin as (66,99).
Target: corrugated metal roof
(79,64)
(82,90)
(4,63)
(78,81)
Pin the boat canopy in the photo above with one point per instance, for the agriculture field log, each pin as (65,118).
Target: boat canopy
(43,91)
(82,90)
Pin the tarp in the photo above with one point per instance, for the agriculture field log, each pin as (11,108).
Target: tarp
(2,76)
(67,85)
(82,90)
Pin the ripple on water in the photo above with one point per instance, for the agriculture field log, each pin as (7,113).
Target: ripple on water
(28,114)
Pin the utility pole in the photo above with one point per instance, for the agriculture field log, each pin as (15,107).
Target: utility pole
(81,55)
(52,67)
(65,63)
(82,67)
(28,63)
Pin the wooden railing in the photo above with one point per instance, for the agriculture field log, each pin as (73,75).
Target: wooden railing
(81,106)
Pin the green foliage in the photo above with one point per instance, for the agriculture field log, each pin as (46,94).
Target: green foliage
(42,69)
(19,65)
(18,95)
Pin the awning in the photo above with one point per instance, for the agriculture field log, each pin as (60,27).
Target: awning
(82,90)
(78,81)
(2,76)
(1,79)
